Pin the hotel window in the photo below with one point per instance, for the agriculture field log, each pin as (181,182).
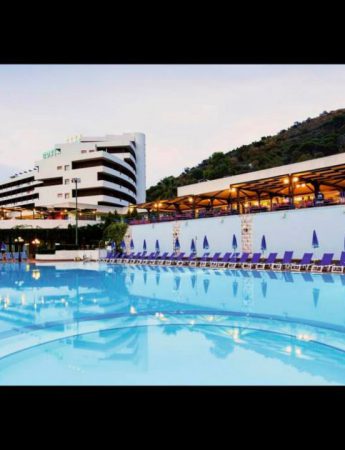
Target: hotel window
(59,195)
(67,181)
(59,167)
(67,167)
(90,151)
(66,195)
(84,151)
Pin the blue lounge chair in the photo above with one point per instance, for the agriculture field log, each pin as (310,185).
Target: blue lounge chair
(271,259)
(16,256)
(194,262)
(253,262)
(223,261)
(24,256)
(139,259)
(145,258)
(172,258)
(285,263)
(153,259)
(178,258)
(339,268)
(187,260)
(233,259)
(114,257)
(167,260)
(242,260)
(9,256)
(213,261)
(161,258)
(135,257)
(324,263)
(128,257)
(305,263)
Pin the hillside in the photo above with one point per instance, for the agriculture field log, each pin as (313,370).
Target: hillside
(321,136)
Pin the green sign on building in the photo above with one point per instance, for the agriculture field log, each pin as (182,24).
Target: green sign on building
(51,153)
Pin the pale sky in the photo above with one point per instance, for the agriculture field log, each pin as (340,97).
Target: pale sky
(186,111)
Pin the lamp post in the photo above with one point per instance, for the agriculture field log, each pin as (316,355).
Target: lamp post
(19,241)
(36,242)
(76,181)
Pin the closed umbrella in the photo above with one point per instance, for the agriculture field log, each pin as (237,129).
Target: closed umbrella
(263,244)
(177,244)
(315,241)
(132,244)
(144,245)
(192,246)
(123,245)
(234,242)
(157,245)
(205,244)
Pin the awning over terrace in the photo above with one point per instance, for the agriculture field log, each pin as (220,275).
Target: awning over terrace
(290,189)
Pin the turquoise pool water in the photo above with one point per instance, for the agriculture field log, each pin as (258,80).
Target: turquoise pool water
(93,323)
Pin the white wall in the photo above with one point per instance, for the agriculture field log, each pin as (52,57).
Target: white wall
(70,255)
(284,230)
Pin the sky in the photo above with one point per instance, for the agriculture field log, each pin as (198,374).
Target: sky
(186,111)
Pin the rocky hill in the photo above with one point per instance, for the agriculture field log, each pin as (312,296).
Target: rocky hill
(313,138)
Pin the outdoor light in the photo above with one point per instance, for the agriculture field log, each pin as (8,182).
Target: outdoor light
(76,181)
(286,181)
(190,199)
(295,179)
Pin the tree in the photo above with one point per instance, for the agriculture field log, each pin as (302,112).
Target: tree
(115,232)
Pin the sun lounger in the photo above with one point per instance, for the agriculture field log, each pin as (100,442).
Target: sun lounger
(252,263)
(8,256)
(178,258)
(24,256)
(285,262)
(213,261)
(194,262)
(270,260)
(187,260)
(324,263)
(242,260)
(339,268)
(232,260)
(304,264)
(139,259)
(223,261)
(127,258)
(135,257)
(161,258)
(153,260)
(174,257)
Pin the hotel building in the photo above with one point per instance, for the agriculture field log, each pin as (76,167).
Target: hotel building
(110,169)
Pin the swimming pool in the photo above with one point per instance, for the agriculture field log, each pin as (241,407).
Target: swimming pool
(99,324)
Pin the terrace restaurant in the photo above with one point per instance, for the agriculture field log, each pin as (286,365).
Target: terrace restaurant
(307,184)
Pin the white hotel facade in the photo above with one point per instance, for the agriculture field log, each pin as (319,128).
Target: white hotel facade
(111,170)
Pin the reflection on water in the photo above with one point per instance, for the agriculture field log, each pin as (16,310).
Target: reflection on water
(90,314)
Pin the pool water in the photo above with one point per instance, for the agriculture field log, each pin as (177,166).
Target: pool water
(99,324)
